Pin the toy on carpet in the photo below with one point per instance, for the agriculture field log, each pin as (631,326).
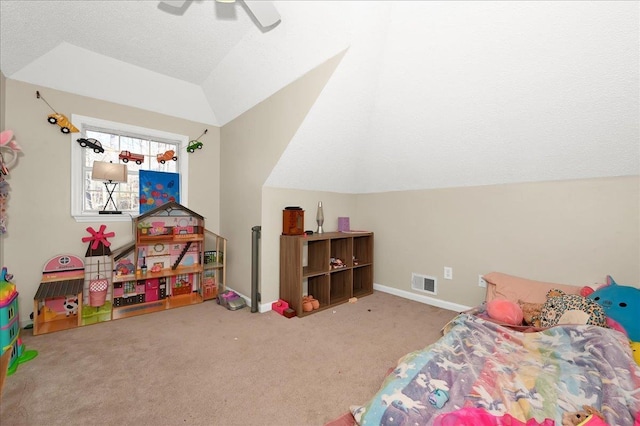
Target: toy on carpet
(231,300)
(621,304)
(588,416)
(561,308)
(505,311)
(309,303)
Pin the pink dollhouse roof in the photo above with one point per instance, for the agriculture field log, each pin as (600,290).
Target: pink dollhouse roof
(167,209)
(63,266)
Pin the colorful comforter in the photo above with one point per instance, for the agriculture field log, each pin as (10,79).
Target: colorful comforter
(529,376)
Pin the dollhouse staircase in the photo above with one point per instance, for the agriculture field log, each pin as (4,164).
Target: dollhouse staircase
(179,259)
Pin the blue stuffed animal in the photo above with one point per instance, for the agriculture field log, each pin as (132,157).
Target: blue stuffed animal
(621,303)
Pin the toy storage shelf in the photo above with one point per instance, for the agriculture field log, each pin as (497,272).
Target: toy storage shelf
(305,268)
(214,265)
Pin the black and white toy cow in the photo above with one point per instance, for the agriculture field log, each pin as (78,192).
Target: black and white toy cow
(71,305)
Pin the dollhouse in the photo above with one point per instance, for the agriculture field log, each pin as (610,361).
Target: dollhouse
(165,267)
(59,297)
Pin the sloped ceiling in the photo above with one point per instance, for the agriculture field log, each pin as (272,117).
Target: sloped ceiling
(428,94)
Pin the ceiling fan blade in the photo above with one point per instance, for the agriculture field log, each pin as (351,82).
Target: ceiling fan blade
(175,7)
(174,3)
(264,11)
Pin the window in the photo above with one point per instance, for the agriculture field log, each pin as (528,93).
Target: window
(89,196)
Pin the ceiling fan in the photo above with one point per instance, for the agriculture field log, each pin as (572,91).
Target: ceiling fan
(264,12)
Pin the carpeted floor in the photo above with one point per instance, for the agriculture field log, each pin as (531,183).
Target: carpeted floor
(205,365)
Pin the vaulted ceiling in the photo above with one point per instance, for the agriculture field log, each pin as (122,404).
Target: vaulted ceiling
(428,94)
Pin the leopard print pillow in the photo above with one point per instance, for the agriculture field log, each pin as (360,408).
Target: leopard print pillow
(561,308)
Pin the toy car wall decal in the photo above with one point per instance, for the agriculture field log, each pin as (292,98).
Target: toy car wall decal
(60,119)
(127,156)
(91,143)
(166,156)
(193,145)
(196,144)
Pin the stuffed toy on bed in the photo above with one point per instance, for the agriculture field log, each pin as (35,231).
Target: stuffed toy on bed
(561,308)
(635,350)
(588,416)
(531,312)
(621,304)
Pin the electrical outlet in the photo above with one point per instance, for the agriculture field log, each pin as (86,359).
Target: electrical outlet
(481,281)
(448,273)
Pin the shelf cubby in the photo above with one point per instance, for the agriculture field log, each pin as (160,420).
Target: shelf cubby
(341,286)
(362,280)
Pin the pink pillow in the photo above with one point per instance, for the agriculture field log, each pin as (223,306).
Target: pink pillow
(505,311)
(503,286)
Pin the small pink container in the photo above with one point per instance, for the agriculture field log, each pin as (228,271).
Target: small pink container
(343,224)
(98,292)
(279,306)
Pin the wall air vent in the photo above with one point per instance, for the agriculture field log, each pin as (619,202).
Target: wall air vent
(424,283)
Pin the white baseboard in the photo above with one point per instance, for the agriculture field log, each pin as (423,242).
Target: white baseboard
(422,299)
(265,307)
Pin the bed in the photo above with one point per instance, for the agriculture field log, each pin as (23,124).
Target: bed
(483,372)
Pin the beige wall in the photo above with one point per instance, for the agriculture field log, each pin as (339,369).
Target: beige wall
(39,222)
(573,232)
(251,146)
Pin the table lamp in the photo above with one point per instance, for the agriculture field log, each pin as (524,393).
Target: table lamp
(111,174)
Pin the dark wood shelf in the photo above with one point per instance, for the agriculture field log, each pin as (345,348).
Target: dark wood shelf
(305,268)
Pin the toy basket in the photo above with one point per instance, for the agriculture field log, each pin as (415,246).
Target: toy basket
(98,290)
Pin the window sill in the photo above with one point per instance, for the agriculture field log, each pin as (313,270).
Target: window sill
(124,217)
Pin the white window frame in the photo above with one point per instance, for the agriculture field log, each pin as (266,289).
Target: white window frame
(77,158)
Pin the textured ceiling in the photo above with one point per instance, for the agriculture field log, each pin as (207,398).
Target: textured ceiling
(212,57)
(428,94)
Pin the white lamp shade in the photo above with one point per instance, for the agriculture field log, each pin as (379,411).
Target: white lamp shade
(109,171)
